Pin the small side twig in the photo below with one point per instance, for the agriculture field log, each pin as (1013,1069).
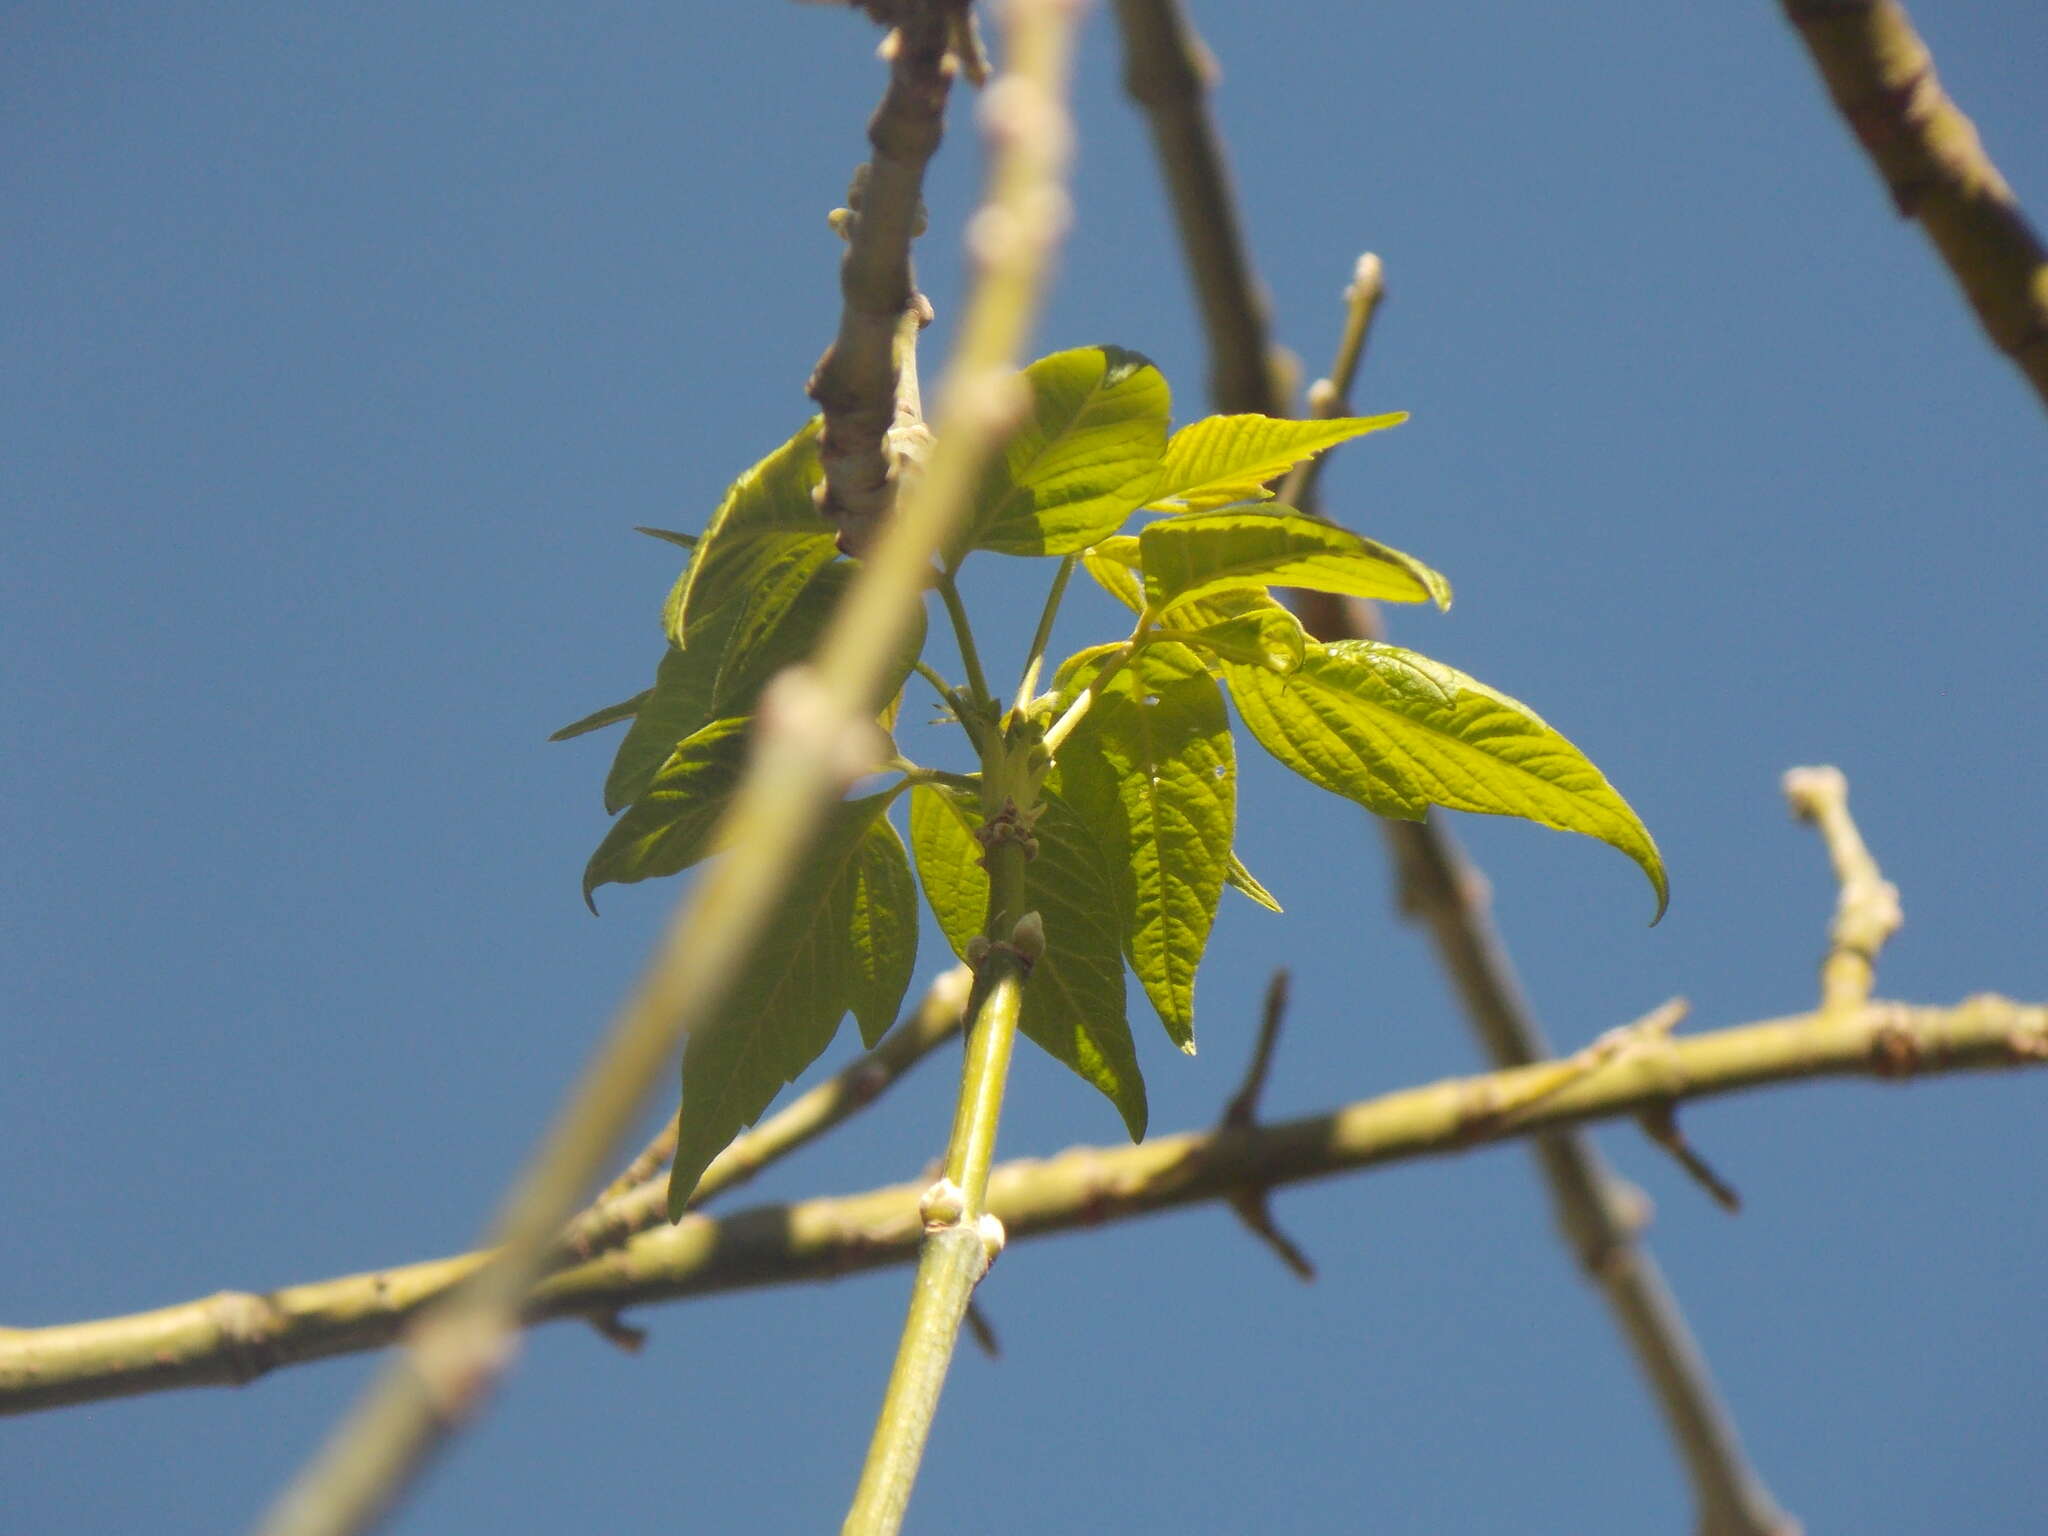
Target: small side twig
(1251,1202)
(1331,395)
(1882,80)
(1867,912)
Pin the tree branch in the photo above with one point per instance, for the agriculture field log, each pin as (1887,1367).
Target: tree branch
(234,1337)
(1168,71)
(858,380)
(1882,80)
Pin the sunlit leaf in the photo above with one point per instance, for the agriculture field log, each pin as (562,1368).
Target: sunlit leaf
(598,719)
(1114,564)
(1074,1002)
(1399,733)
(1224,459)
(668,828)
(1268,637)
(1086,459)
(767,519)
(1206,552)
(1150,772)
(786,1006)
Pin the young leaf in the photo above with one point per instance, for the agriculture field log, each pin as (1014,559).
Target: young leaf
(677,706)
(883,929)
(1224,459)
(1074,1002)
(1086,460)
(598,719)
(733,653)
(1205,552)
(1399,733)
(777,629)
(1116,570)
(1150,772)
(1238,878)
(1262,637)
(786,1008)
(669,827)
(766,519)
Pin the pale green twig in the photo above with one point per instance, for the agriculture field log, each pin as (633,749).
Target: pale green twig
(1010,241)
(235,1337)
(1867,912)
(1034,659)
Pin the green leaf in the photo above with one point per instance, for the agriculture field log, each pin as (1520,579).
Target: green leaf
(1074,1002)
(1086,459)
(1238,878)
(1206,552)
(1268,637)
(785,1009)
(1114,564)
(670,536)
(669,827)
(1150,772)
(598,719)
(733,653)
(883,927)
(1225,459)
(779,627)
(1398,733)
(766,519)
(676,707)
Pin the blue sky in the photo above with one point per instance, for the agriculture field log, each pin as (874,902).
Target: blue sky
(345,347)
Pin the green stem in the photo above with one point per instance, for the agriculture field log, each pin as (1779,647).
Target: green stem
(1035,659)
(1077,711)
(970,658)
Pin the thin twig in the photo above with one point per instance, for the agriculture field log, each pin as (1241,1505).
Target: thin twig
(1010,244)
(1167,71)
(1253,1204)
(234,1337)
(1882,79)
(1330,395)
(1867,912)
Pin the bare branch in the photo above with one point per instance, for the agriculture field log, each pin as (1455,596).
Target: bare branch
(1882,79)
(1168,71)
(233,1338)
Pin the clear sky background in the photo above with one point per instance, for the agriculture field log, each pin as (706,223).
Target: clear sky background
(344,346)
